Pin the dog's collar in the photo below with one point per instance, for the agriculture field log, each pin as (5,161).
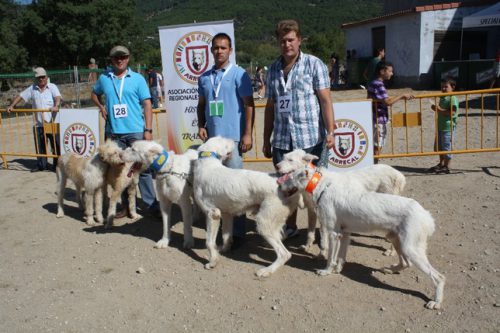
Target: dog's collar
(208,154)
(313,182)
(160,161)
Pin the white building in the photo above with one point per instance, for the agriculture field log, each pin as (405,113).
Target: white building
(417,37)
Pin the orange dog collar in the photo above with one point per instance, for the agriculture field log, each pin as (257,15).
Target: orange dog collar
(313,182)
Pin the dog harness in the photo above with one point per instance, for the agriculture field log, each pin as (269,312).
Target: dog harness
(160,161)
(208,154)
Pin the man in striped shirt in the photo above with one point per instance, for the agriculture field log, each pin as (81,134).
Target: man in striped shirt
(299,109)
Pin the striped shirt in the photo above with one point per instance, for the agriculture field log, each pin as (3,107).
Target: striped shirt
(376,91)
(302,127)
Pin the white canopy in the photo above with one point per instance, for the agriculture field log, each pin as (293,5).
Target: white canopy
(487,17)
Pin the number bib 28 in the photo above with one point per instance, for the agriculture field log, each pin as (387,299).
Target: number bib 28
(120,110)
(285,103)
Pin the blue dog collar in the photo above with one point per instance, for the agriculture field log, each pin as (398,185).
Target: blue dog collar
(207,154)
(160,161)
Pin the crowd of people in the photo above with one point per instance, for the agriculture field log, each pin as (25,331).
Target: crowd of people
(298,111)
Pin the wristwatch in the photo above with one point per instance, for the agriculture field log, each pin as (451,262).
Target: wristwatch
(150,130)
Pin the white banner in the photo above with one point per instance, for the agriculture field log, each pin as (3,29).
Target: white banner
(79,131)
(353,147)
(185,55)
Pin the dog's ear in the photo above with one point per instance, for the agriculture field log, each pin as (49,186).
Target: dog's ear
(309,157)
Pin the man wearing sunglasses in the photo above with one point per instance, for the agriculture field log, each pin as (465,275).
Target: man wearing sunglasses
(128,115)
(43,95)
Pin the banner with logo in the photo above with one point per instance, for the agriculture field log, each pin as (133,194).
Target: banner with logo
(353,146)
(79,131)
(185,55)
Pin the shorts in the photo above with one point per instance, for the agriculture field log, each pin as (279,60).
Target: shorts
(315,150)
(444,142)
(379,135)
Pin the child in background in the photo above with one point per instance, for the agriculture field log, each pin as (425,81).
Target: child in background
(447,113)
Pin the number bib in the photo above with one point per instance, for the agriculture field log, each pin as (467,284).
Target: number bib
(216,108)
(120,110)
(285,103)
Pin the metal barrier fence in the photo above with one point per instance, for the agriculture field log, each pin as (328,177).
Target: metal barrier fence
(411,132)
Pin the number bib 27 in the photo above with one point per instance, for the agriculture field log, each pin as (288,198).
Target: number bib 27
(285,103)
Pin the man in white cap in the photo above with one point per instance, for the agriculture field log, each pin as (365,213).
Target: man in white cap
(43,95)
(128,114)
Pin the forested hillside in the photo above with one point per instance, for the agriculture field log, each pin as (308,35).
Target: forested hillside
(63,33)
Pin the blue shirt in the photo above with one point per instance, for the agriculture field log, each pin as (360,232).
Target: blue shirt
(135,90)
(302,127)
(235,85)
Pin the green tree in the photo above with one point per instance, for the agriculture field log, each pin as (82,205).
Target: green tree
(12,54)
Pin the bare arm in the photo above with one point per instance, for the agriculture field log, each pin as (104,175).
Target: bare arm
(391,100)
(268,127)
(148,118)
(200,111)
(97,101)
(16,100)
(246,140)
(327,113)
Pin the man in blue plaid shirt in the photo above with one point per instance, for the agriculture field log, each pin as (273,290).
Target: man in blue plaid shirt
(299,109)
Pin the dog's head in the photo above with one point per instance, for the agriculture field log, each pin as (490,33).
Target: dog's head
(110,153)
(222,147)
(296,181)
(294,160)
(142,151)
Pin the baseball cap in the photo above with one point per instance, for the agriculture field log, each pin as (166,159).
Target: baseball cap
(39,71)
(119,51)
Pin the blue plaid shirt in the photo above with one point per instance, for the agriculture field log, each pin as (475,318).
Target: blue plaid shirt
(302,127)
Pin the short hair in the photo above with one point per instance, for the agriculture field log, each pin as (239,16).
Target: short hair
(378,50)
(382,65)
(450,80)
(286,26)
(222,35)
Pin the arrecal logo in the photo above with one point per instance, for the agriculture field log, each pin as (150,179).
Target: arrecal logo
(351,144)
(192,55)
(79,139)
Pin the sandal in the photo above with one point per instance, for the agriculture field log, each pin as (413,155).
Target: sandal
(435,169)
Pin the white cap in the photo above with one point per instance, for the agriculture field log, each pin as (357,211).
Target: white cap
(39,71)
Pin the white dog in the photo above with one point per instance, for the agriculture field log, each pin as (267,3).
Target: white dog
(174,183)
(376,178)
(344,207)
(224,192)
(88,174)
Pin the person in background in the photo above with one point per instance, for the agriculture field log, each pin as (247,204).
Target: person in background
(334,71)
(447,115)
(377,91)
(496,71)
(160,88)
(226,108)
(370,71)
(43,95)
(92,75)
(153,86)
(259,81)
(128,116)
(299,111)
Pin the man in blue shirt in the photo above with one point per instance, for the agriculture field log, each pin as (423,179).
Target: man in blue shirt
(127,95)
(226,108)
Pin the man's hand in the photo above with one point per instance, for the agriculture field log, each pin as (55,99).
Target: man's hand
(148,136)
(104,114)
(330,141)
(54,109)
(202,133)
(266,149)
(9,109)
(246,143)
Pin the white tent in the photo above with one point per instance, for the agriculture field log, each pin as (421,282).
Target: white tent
(487,17)
(484,18)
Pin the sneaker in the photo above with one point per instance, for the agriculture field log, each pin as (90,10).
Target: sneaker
(289,232)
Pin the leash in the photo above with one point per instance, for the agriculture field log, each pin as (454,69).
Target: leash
(323,160)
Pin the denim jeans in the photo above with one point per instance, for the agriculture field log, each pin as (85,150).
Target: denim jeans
(236,162)
(145,179)
(444,142)
(41,162)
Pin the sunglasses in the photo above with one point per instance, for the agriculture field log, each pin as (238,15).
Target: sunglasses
(41,77)
(124,57)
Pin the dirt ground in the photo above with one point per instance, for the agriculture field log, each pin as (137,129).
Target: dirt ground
(61,275)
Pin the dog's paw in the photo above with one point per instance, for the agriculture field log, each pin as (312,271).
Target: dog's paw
(188,243)
(90,221)
(433,305)
(210,265)
(324,272)
(162,243)
(108,226)
(60,214)
(389,252)
(263,272)
(99,218)
(135,216)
